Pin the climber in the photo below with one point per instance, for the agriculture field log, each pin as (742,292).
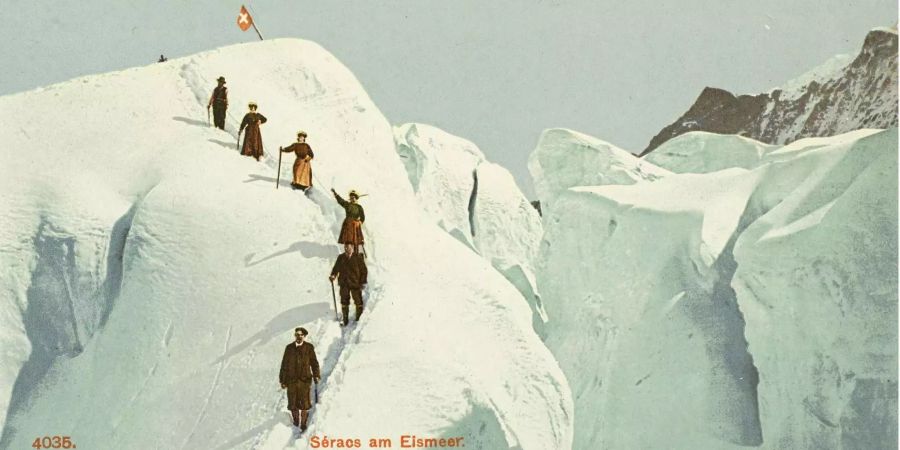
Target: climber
(352,274)
(299,367)
(218,101)
(302,166)
(253,145)
(351,229)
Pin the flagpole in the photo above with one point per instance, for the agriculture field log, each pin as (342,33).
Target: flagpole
(253,22)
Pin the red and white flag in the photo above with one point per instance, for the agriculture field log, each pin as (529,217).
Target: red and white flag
(244,20)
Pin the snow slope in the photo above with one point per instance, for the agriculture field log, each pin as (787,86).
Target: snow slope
(475,201)
(152,276)
(821,74)
(738,308)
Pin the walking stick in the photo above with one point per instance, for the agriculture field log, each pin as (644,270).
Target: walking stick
(316,390)
(365,256)
(278,177)
(207,116)
(237,146)
(334,302)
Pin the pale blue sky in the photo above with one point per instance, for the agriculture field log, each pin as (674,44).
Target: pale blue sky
(494,72)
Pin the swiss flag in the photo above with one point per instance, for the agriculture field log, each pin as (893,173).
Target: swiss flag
(244,20)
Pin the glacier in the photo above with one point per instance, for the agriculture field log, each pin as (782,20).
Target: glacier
(702,152)
(566,158)
(475,201)
(151,275)
(747,300)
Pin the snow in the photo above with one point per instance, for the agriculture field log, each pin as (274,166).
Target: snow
(441,170)
(830,69)
(739,307)
(152,275)
(826,314)
(702,152)
(475,201)
(846,93)
(807,144)
(565,158)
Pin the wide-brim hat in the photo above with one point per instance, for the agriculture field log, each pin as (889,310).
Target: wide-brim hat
(301,133)
(353,193)
(252,104)
(220,79)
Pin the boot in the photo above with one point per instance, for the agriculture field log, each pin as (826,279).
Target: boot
(303,416)
(295,414)
(359,309)
(345,311)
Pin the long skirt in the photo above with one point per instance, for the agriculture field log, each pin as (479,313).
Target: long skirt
(253,145)
(302,173)
(351,232)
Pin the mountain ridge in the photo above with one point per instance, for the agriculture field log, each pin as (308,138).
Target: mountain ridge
(862,94)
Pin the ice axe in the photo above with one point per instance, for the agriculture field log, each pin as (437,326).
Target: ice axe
(237,146)
(207,116)
(278,177)
(316,391)
(334,300)
(317,180)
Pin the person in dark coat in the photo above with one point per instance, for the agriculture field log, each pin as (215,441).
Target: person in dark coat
(302,167)
(351,229)
(352,274)
(299,367)
(253,145)
(218,101)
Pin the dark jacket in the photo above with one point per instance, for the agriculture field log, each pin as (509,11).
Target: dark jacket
(298,364)
(219,98)
(352,271)
(301,149)
(250,119)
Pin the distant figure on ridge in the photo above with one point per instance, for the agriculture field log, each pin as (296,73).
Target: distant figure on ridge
(299,367)
(253,145)
(162,58)
(352,274)
(351,229)
(218,101)
(302,167)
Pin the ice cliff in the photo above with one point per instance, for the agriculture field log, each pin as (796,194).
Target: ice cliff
(752,306)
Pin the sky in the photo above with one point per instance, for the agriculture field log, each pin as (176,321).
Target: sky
(494,72)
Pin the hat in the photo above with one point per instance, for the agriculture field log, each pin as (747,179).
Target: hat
(251,104)
(353,193)
(301,330)
(221,79)
(301,133)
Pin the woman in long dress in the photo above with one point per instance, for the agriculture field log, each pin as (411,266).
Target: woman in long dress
(302,166)
(253,145)
(351,229)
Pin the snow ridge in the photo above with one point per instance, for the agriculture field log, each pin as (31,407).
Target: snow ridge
(217,267)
